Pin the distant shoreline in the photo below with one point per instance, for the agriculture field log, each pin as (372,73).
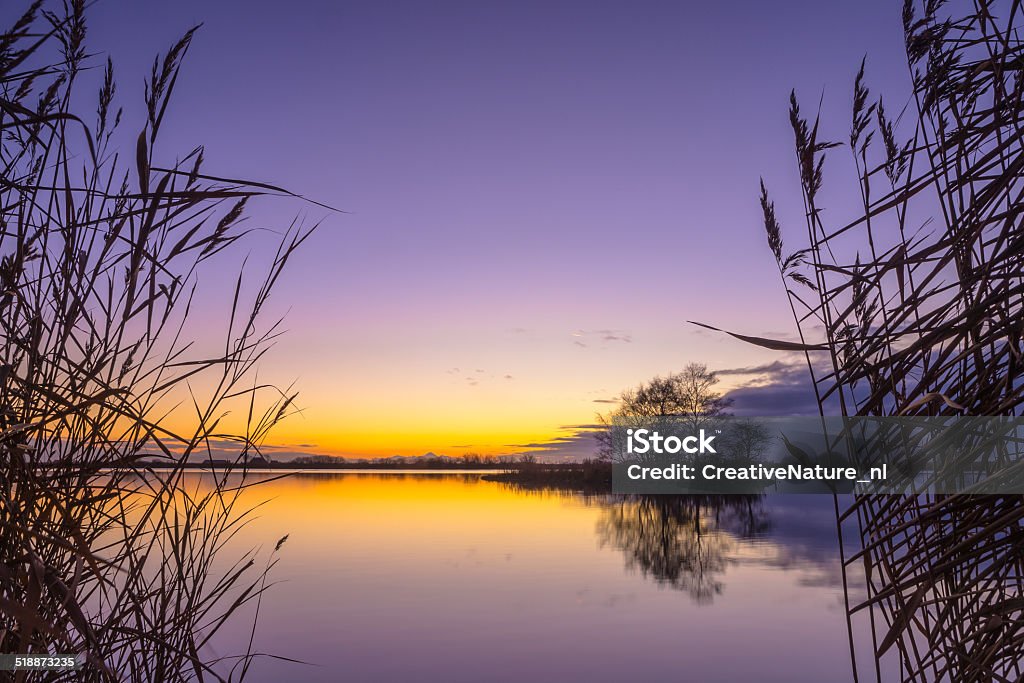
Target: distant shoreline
(232,466)
(590,477)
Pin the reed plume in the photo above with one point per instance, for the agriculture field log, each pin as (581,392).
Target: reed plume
(102,254)
(917,310)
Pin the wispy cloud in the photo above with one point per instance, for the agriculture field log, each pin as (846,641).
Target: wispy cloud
(779,366)
(586,338)
(478,375)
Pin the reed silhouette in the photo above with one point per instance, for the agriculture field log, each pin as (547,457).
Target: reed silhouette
(103,247)
(919,298)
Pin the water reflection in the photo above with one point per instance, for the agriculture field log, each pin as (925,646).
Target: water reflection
(434,577)
(685,542)
(688,542)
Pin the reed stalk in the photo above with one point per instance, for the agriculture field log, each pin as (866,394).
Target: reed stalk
(104,242)
(914,307)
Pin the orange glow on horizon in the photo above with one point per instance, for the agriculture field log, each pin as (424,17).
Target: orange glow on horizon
(503,419)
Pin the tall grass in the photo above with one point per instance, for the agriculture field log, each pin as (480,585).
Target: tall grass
(102,249)
(914,307)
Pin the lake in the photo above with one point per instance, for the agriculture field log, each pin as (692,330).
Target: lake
(448,577)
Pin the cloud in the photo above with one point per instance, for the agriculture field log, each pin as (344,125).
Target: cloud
(768,368)
(781,388)
(592,336)
(612,336)
(771,400)
(479,375)
(579,444)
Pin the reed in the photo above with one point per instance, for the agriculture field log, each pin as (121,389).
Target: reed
(914,307)
(102,252)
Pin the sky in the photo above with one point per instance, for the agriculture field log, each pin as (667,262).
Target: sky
(536,196)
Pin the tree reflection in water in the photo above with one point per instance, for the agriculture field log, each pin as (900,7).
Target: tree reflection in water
(682,541)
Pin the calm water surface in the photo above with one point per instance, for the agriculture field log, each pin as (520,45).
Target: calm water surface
(446,577)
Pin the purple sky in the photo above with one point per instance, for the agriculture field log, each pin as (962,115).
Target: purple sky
(539,193)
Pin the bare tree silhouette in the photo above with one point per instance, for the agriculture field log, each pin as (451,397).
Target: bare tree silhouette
(688,397)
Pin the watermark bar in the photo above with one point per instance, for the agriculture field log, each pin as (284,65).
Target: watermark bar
(871,455)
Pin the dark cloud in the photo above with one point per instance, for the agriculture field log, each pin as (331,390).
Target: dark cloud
(772,399)
(779,366)
(783,389)
(578,444)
